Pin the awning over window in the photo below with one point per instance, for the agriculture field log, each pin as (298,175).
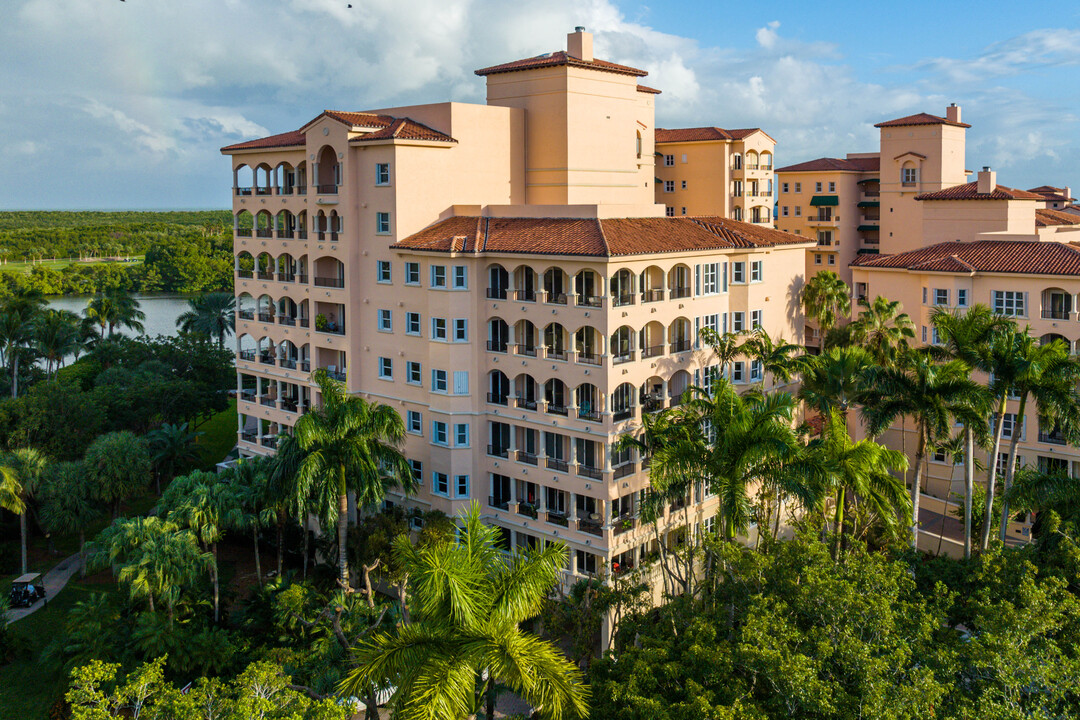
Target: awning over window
(869,203)
(868,180)
(868,228)
(825,200)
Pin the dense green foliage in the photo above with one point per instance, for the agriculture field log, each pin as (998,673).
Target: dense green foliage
(183,251)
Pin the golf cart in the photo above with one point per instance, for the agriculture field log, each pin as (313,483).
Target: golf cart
(27,590)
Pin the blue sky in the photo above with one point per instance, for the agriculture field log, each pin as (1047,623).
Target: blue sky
(109,104)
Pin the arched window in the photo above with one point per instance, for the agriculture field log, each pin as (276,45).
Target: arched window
(638,146)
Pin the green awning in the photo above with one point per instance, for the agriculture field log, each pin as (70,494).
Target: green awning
(869,203)
(867,251)
(825,200)
(868,180)
(868,228)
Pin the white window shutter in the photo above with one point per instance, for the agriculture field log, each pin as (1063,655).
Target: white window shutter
(697,332)
(1026,314)
(461,382)
(697,280)
(725,277)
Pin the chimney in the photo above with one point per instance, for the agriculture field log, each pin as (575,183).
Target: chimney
(987,180)
(579,44)
(1068,195)
(952,113)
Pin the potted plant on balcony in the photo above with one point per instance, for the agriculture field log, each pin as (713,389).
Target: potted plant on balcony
(626,524)
(321,322)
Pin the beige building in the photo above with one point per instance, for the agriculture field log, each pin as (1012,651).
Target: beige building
(716,172)
(501,275)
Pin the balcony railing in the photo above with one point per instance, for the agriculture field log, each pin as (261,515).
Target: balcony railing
(592,527)
(248,355)
(554,409)
(1052,438)
(529,350)
(332,329)
(553,354)
(557,465)
(326,189)
(528,510)
(264,233)
(525,295)
(498,346)
(648,296)
(267,401)
(286,320)
(270,442)
(680,292)
(624,414)
(499,502)
(498,451)
(496,293)
(623,358)
(246,314)
(590,415)
(246,274)
(338,375)
(590,300)
(593,473)
(1055,314)
(266,317)
(249,437)
(680,346)
(558,518)
(556,298)
(288,363)
(289,405)
(524,403)
(330,282)
(625,470)
(526,457)
(498,398)
(623,523)
(620,300)
(248,395)
(243,190)
(264,191)
(588,358)
(652,351)
(267,359)
(266,275)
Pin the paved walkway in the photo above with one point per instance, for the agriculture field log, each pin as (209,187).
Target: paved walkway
(55,580)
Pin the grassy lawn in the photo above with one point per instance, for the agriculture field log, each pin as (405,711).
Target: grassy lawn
(27,688)
(220,436)
(24,266)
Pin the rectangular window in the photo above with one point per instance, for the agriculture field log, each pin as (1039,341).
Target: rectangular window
(738,371)
(755,371)
(684,210)
(382,223)
(924,333)
(440,484)
(669,161)
(382,173)
(461,330)
(755,319)
(738,321)
(438,381)
(909,176)
(798,211)
(941,296)
(817,187)
(939,456)
(412,323)
(412,373)
(417,468)
(1009,302)
(961,298)
(783,187)
(924,292)
(461,486)
(461,434)
(386,321)
(683,185)
(439,433)
(414,422)
(438,328)
(461,382)
(832,259)
(784,211)
(817,258)
(798,187)
(738,272)
(1009,425)
(669,211)
(824,238)
(383,274)
(669,186)
(832,187)
(438,276)
(709,281)
(755,271)
(412,273)
(461,277)
(386,368)
(935,339)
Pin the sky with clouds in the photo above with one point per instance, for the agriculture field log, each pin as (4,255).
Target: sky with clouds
(124,104)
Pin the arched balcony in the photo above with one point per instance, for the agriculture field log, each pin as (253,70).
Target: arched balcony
(329,272)
(751,160)
(263,182)
(1057,304)
(498,335)
(766,161)
(266,352)
(652,338)
(264,224)
(246,346)
(652,394)
(652,284)
(526,392)
(589,288)
(245,264)
(677,386)
(328,174)
(589,345)
(1051,337)
(622,288)
(243,180)
(285,179)
(556,396)
(264,308)
(555,340)
(527,282)
(760,214)
(527,337)
(680,282)
(264,266)
(498,282)
(736,161)
(622,402)
(555,285)
(243,224)
(588,401)
(680,335)
(622,345)
(285,225)
(301,225)
(498,388)
(736,213)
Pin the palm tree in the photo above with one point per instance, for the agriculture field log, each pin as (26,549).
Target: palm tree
(351,445)
(468,600)
(212,315)
(967,337)
(860,470)
(827,299)
(1049,376)
(251,477)
(68,505)
(929,392)
(882,328)
(172,447)
(1005,362)
(11,497)
(726,347)
(56,334)
(27,465)
(115,308)
(208,507)
(16,332)
(119,465)
(834,381)
(777,357)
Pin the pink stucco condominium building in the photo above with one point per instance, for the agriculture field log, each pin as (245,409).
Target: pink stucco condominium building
(501,275)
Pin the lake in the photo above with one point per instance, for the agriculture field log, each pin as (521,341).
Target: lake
(161,310)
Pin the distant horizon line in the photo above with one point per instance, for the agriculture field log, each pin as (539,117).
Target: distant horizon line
(119,209)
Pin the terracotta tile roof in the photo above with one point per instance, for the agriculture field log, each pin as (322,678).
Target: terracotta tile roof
(1049,192)
(834,164)
(920,119)
(288,139)
(405,129)
(1027,257)
(647,89)
(696,134)
(593,237)
(557,59)
(1044,217)
(970,191)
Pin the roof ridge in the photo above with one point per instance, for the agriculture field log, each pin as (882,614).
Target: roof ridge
(603,236)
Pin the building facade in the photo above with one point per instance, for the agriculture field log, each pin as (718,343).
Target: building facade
(501,275)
